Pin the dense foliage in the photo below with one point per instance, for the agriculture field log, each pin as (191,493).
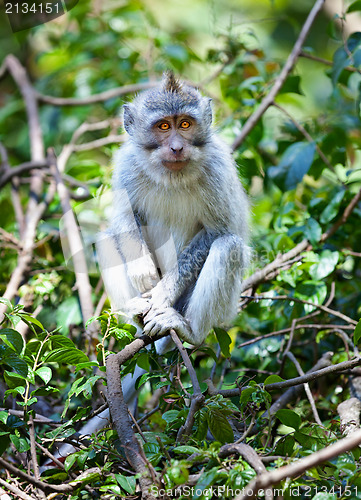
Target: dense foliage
(301,165)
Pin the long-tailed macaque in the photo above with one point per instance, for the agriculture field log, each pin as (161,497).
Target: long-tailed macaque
(175,251)
(176,248)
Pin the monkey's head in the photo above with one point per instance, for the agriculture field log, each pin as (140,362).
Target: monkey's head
(170,124)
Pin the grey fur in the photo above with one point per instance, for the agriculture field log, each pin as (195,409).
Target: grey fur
(177,244)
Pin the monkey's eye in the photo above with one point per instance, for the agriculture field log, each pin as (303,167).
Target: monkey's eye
(185,124)
(164,126)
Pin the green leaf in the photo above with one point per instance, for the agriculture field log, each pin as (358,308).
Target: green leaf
(70,356)
(31,320)
(13,339)
(327,264)
(246,394)
(170,415)
(357,333)
(45,391)
(313,231)
(219,426)
(70,461)
(292,84)
(289,418)
(351,56)
(58,341)
(143,361)
(332,208)
(127,483)
(20,443)
(88,364)
(295,163)
(206,479)
(202,424)
(188,450)
(3,416)
(17,364)
(224,341)
(4,443)
(324,496)
(145,377)
(45,373)
(14,422)
(15,391)
(354,7)
(273,379)
(68,313)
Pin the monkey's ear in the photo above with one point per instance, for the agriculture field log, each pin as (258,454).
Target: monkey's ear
(207,110)
(128,118)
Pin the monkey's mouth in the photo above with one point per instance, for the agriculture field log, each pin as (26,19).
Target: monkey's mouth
(175,165)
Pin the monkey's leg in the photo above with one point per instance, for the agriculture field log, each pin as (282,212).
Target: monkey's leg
(181,277)
(211,295)
(216,293)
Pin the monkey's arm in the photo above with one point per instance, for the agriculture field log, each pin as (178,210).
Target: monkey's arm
(126,237)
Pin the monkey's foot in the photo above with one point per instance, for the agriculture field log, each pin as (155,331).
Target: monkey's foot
(160,321)
(137,308)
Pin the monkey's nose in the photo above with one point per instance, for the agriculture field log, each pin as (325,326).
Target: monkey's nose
(177,150)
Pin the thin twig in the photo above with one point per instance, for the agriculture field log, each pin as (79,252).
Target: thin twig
(61,488)
(323,308)
(101,97)
(307,388)
(345,365)
(21,169)
(197,398)
(327,62)
(346,214)
(250,456)
(33,452)
(304,132)
(34,209)
(286,70)
(292,393)
(16,491)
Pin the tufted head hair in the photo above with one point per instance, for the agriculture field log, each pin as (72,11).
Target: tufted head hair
(171,97)
(170,82)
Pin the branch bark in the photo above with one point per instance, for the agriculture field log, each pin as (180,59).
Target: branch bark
(345,365)
(197,398)
(123,426)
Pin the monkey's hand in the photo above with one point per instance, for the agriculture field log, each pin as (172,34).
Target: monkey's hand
(142,273)
(159,321)
(137,308)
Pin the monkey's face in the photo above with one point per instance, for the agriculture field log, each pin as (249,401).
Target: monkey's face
(174,136)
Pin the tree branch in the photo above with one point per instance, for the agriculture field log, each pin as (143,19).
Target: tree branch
(102,96)
(123,426)
(286,70)
(197,398)
(345,365)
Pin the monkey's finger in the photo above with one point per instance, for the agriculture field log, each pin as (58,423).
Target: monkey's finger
(151,328)
(152,314)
